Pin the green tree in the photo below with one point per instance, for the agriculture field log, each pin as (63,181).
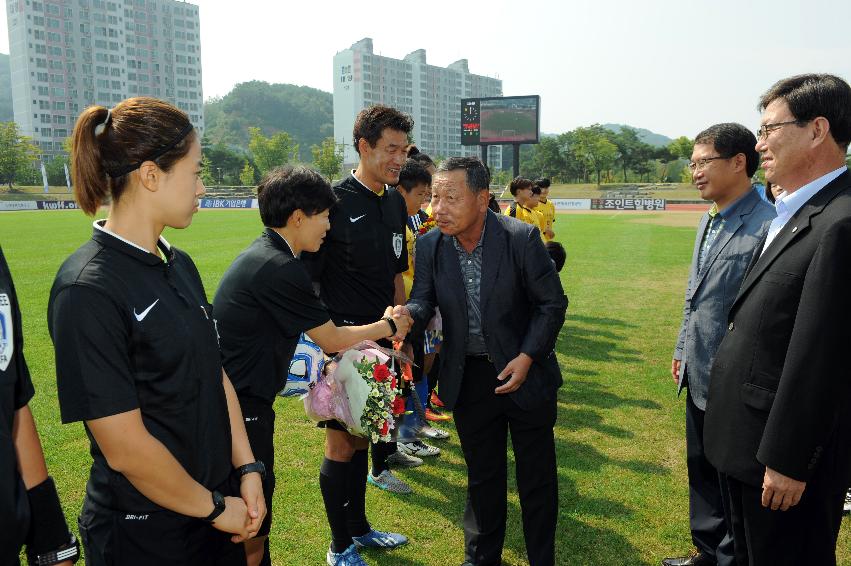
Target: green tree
(56,170)
(632,152)
(594,148)
(207,176)
(501,178)
(17,153)
(328,157)
(225,163)
(271,152)
(681,148)
(547,159)
(246,177)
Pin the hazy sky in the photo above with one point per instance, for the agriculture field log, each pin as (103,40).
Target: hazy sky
(673,67)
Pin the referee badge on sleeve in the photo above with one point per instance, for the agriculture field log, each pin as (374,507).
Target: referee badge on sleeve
(7,342)
(398,242)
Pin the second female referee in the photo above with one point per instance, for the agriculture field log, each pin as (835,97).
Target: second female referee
(264,302)
(137,357)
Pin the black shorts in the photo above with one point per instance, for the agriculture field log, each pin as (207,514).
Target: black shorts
(332,424)
(259,417)
(120,538)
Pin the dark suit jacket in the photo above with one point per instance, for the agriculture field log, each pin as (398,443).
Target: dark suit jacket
(780,388)
(711,290)
(522,303)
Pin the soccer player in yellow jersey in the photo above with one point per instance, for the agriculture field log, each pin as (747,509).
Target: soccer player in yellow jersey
(546,208)
(523,190)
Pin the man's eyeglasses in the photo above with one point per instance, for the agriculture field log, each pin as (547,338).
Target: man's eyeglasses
(766,129)
(700,164)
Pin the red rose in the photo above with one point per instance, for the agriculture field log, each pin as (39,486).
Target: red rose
(385,428)
(398,405)
(380,372)
(393,383)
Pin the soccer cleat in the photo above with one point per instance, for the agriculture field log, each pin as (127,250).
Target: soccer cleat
(380,539)
(348,557)
(846,509)
(436,416)
(435,400)
(388,482)
(419,449)
(434,433)
(402,460)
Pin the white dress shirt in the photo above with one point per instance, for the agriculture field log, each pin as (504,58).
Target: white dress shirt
(788,204)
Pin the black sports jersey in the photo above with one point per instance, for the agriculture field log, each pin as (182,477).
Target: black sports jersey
(264,302)
(362,253)
(16,390)
(132,331)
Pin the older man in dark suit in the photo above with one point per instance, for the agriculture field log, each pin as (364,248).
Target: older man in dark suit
(502,306)
(722,163)
(778,419)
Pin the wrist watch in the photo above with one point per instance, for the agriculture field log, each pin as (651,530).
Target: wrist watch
(257,466)
(218,507)
(392,324)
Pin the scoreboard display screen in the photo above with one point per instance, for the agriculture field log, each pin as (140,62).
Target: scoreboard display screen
(502,120)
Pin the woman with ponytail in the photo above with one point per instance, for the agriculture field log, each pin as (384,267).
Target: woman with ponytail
(137,356)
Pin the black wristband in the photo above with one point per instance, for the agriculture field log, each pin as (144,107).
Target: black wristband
(257,466)
(48,529)
(392,324)
(68,551)
(218,507)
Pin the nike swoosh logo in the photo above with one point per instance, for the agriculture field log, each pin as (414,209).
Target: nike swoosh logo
(141,316)
(353,220)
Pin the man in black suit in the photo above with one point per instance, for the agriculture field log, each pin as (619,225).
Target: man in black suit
(503,306)
(778,419)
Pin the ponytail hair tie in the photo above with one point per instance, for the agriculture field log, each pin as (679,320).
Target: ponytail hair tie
(100,128)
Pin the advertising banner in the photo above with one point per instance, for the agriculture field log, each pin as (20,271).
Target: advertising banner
(627,204)
(18,205)
(227,203)
(571,203)
(57,205)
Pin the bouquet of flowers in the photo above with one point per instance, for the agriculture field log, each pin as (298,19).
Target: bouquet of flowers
(360,390)
(427,226)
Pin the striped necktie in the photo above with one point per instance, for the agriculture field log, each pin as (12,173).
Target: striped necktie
(715,224)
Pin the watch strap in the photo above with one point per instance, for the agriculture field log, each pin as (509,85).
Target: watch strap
(257,466)
(392,324)
(218,507)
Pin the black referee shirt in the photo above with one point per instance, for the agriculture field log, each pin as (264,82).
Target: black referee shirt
(16,390)
(134,332)
(363,252)
(264,302)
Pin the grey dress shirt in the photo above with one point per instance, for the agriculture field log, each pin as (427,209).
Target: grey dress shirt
(471,271)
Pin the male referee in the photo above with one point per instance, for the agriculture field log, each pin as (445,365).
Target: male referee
(359,267)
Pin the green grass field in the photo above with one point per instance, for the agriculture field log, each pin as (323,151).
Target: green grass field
(620,431)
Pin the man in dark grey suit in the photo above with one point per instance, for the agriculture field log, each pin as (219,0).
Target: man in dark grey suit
(778,415)
(722,164)
(503,306)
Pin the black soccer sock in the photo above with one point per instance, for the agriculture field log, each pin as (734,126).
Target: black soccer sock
(332,482)
(356,491)
(380,452)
